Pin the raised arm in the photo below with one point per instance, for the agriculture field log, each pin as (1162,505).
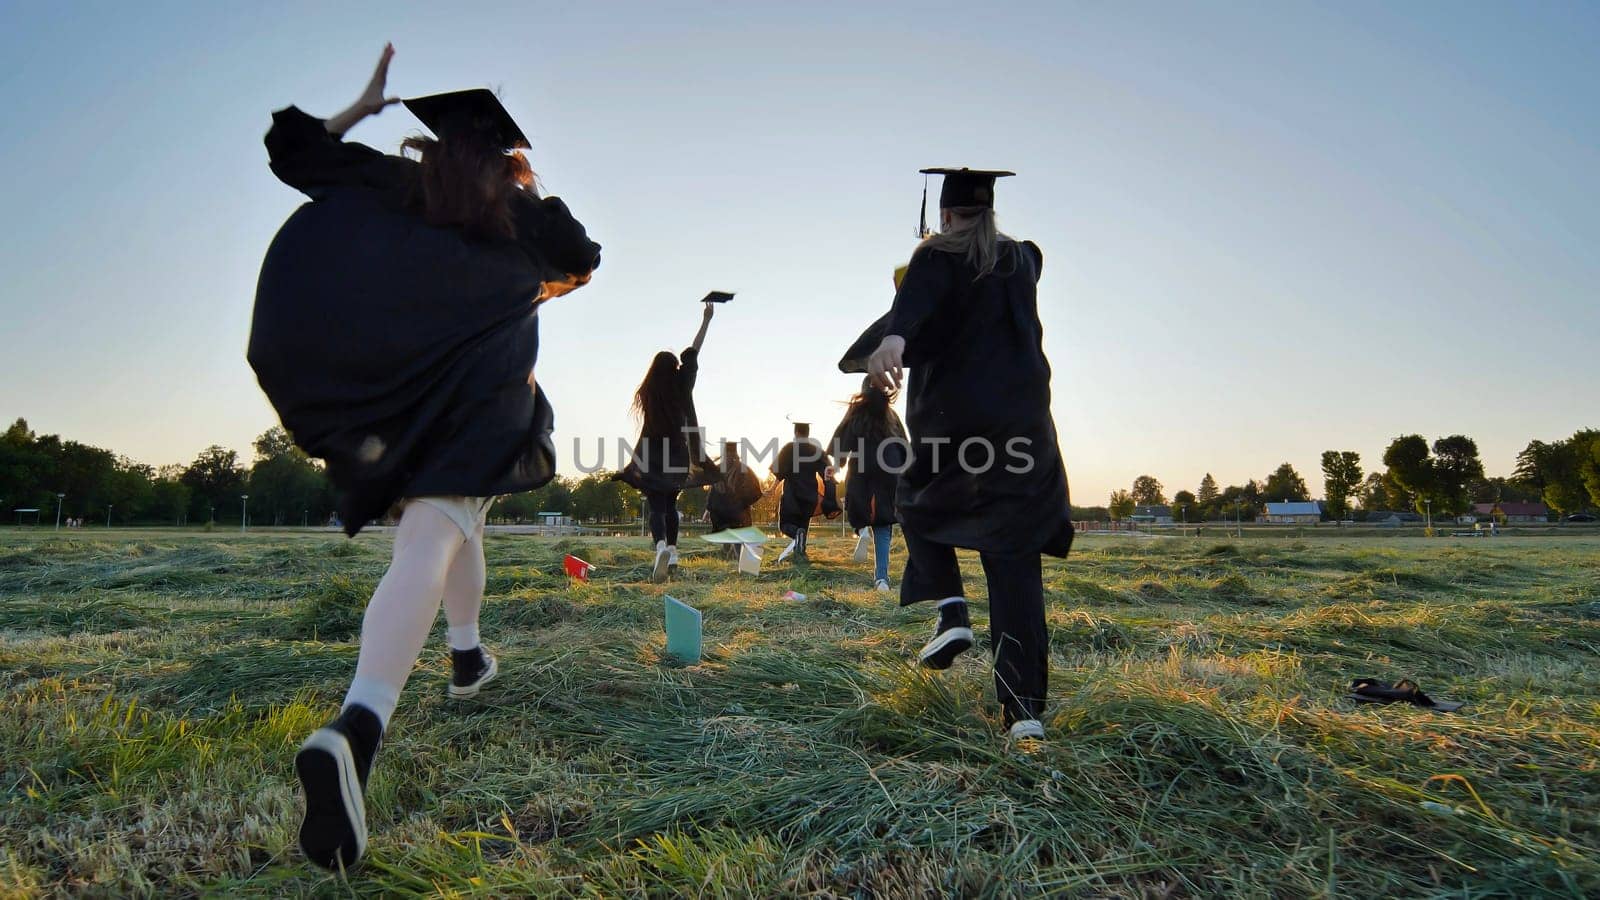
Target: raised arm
(372,100)
(705,322)
(308,154)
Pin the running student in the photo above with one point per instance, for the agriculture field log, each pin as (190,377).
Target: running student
(669,455)
(985,472)
(873,441)
(806,476)
(732,495)
(395,331)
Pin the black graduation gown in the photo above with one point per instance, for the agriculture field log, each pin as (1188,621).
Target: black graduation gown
(670,458)
(731,496)
(401,353)
(975,350)
(875,464)
(801,470)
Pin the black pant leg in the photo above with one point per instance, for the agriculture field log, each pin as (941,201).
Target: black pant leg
(663,513)
(1019,634)
(671,516)
(932,572)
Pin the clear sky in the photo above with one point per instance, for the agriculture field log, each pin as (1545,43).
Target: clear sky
(1269,229)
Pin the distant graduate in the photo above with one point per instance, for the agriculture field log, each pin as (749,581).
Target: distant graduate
(985,471)
(872,440)
(395,333)
(669,455)
(805,473)
(734,492)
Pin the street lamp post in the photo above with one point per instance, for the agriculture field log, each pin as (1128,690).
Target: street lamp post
(1429,505)
(244,511)
(108,515)
(59,498)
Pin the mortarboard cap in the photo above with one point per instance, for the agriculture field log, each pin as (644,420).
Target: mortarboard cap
(718,297)
(962,187)
(475,111)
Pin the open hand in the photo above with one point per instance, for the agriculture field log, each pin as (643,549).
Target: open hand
(886,364)
(711,309)
(372,100)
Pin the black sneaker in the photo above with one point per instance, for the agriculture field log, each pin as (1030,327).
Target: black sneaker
(952,638)
(333,764)
(470,670)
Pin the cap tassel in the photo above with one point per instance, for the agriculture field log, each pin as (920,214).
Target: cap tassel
(922,225)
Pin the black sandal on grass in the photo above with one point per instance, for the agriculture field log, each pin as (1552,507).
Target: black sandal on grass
(1371,690)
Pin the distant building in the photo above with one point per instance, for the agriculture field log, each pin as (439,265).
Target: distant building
(1290,512)
(1513,512)
(1390,519)
(1152,515)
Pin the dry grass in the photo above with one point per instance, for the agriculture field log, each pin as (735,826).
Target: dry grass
(155,687)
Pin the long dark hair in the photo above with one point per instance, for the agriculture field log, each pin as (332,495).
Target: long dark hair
(869,415)
(469,182)
(656,403)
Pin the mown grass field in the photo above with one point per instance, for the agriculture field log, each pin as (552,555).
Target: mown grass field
(156,686)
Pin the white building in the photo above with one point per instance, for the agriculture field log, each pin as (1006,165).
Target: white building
(1307,512)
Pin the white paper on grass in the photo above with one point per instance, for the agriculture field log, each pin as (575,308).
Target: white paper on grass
(750,559)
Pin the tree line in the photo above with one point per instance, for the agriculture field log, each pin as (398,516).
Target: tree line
(284,486)
(1445,478)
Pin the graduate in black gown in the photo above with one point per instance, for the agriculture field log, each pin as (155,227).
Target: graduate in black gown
(806,474)
(670,454)
(872,440)
(985,472)
(395,332)
(732,495)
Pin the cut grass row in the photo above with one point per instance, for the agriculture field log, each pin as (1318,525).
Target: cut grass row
(155,689)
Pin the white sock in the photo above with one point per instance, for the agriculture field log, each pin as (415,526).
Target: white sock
(462,637)
(375,694)
(949,600)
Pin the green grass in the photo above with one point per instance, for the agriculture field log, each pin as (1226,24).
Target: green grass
(156,686)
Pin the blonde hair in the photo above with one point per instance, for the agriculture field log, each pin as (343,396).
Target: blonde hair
(972,234)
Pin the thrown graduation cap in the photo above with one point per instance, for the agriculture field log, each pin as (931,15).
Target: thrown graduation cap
(962,188)
(683,627)
(476,111)
(1371,690)
(718,297)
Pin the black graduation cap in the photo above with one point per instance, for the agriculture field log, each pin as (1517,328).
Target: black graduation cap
(717,297)
(962,187)
(475,111)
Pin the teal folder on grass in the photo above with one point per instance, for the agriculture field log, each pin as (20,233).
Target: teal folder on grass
(683,631)
(737,536)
